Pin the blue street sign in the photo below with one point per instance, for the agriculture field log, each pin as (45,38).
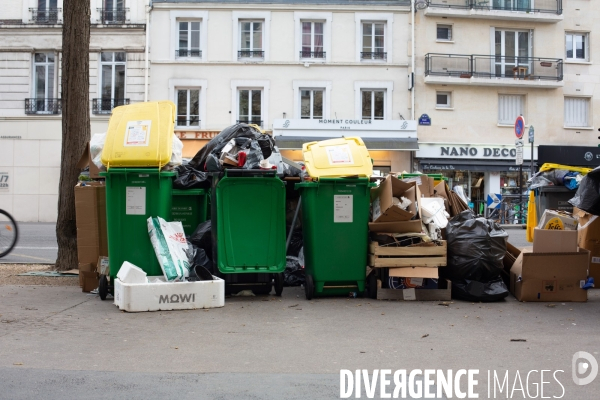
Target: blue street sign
(494,200)
(531,132)
(424,120)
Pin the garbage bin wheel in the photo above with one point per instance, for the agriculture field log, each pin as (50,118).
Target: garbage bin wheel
(278,285)
(372,286)
(103,287)
(309,287)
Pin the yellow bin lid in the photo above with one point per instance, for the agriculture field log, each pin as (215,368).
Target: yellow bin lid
(336,158)
(140,135)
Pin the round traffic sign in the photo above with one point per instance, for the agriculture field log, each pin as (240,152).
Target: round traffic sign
(520,127)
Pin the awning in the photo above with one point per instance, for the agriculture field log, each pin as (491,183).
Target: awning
(296,142)
(472,165)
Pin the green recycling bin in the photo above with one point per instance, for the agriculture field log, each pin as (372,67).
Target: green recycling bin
(335,216)
(132,196)
(189,207)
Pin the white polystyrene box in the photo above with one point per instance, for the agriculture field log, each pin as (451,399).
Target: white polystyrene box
(153,296)
(129,273)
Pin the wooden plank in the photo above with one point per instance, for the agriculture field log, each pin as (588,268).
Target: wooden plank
(377,250)
(377,262)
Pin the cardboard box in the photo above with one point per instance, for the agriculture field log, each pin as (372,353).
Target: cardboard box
(383,208)
(86,160)
(588,237)
(90,212)
(410,226)
(550,276)
(560,220)
(88,277)
(153,296)
(553,241)
(424,183)
(443,293)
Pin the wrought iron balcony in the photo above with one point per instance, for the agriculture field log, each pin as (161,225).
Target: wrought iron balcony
(373,55)
(182,122)
(251,54)
(46,16)
(43,106)
(105,106)
(491,66)
(255,121)
(528,6)
(113,16)
(188,53)
(312,54)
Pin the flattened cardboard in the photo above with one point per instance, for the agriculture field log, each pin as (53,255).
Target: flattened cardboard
(549,276)
(396,227)
(588,237)
(85,160)
(90,213)
(414,272)
(554,241)
(383,208)
(88,278)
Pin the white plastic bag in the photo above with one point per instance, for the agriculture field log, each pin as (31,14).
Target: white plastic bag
(170,246)
(96,146)
(177,153)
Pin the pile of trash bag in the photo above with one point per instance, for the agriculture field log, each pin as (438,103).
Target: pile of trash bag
(237,146)
(587,197)
(476,248)
(201,252)
(189,177)
(294,272)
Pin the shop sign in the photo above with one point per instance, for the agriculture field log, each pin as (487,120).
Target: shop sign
(484,152)
(4,182)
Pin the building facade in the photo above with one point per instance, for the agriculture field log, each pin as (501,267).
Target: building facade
(481,64)
(30,100)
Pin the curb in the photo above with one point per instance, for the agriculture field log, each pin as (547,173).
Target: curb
(513,226)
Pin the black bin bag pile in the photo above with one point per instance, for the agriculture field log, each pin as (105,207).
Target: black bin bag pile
(587,197)
(476,248)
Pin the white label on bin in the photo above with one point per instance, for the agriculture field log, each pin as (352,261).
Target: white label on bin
(137,133)
(339,155)
(135,203)
(596,260)
(342,208)
(409,294)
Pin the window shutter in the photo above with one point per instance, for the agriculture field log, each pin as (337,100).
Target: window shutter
(576,111)
(509,108)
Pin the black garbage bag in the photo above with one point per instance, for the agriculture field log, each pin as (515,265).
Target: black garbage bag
(254,156)
(190,178)
(216,144)
(587,197)
(266,145)
(212,164)
(296,243)
(465,289)
(202,237)
(476,248)
(294,272)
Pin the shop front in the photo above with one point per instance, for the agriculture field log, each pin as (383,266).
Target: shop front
(390,142)
(480,169)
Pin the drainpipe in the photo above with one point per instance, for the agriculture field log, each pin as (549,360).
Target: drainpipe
(412,52)
(146,62)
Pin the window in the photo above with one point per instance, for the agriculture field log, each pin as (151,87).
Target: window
(311,103)
(113,11)
(444,32)
(189,39)
(112,82)
(373,104)
(250,106)
(251,39)
(510,106)
(312,40)
(47,12)
(512,51)
(443,100)
(44,88)
(373,41)
(577,110)
(577,46)
(510,5)
(188,107)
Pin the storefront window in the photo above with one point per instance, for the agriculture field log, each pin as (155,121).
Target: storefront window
(509,183)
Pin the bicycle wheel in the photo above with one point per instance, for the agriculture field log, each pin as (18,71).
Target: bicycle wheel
(9,233)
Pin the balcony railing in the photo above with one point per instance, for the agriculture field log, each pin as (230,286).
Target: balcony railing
(490,66)
(543,6)
(45,15)
(251,54)
(188,53)
(43,106)
(373,55)
(255,121)
(105,106)
(113,16)
(312,54)
(182,122)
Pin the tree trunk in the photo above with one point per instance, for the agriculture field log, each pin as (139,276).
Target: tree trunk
(75,122)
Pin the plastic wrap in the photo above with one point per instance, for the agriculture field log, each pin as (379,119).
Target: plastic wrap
(190,178)
(96,146)
(176,153)
(494,290)
(587,197)
(476,248)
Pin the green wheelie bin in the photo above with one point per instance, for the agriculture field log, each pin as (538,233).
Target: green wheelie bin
(132,196)
(335,216)
(248,230)
(190,208)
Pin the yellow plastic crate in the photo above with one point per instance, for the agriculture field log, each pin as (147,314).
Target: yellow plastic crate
(336,158)
(140,135)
